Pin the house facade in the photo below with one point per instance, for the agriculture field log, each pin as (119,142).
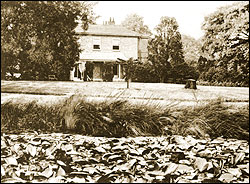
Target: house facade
(106,44)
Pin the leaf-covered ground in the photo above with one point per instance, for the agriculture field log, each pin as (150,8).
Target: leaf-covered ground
(56,157)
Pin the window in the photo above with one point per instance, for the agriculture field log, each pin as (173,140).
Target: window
(96,43)
(116,44)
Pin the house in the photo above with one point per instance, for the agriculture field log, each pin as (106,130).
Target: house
(106,44)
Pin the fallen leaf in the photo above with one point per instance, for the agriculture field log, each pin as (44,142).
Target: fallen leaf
(58,179)
(31,150)
(76,180)
(171,168)
(90,170)
(226,177)
(201,164)
(234,171)
(61,163)
(184,169)
(2,171)
(48,172)
(11,161)
(239,157)
(61,172)
(100,149)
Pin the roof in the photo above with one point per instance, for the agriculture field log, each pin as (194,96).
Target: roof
(102,56)
(107,30)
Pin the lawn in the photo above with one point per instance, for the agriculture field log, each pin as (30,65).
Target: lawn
(159,93)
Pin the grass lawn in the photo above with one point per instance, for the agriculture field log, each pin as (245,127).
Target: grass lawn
(155,93)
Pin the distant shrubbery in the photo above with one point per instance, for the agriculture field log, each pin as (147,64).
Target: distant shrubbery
(120,118)
(144,72)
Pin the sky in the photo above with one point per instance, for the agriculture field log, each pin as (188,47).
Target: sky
(189,14)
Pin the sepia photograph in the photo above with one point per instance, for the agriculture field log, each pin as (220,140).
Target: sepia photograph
(124,91)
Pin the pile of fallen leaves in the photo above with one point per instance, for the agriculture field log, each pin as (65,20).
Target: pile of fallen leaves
(57,157)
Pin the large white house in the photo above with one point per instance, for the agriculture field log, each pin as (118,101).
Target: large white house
(107,43)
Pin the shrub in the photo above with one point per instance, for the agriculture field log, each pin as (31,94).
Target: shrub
(144,73)
(116,118)
(108,72)
(214,119)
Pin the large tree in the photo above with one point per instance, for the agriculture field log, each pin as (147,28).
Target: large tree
(135,23)
(191,50)
(225,44)
(165,50)
(39,38)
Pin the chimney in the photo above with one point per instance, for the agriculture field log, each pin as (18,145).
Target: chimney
(110,21)
(113,22)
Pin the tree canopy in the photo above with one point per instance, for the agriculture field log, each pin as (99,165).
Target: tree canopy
(39,37)
(225,49)
(166,50)
(191,50)
(135,23)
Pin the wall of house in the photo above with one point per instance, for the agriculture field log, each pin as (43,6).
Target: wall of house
(128,45)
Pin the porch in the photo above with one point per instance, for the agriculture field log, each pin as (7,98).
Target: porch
(98,67)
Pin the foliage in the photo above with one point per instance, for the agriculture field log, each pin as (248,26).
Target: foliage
(38,36)
(225,44)
(144,73)
(67,158)
(191,50)
(135,23)
(129,68)
(108,74)
(166,50)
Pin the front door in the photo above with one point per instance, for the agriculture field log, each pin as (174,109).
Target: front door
(97,72)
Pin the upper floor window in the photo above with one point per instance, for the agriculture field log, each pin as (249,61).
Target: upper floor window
(116,44)
(96,43)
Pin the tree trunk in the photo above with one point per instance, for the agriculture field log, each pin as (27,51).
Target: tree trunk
(128,81)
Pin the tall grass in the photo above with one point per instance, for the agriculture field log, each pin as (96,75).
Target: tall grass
(213,119)
(118,118)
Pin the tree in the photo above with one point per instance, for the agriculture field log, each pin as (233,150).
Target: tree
(38,36)
(129,68)
(135,23)
(191,50)
(165,49)
(225,43)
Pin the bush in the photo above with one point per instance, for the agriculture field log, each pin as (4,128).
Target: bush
(108,72)
(144,73)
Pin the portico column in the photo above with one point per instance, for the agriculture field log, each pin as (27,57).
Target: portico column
(119,71)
